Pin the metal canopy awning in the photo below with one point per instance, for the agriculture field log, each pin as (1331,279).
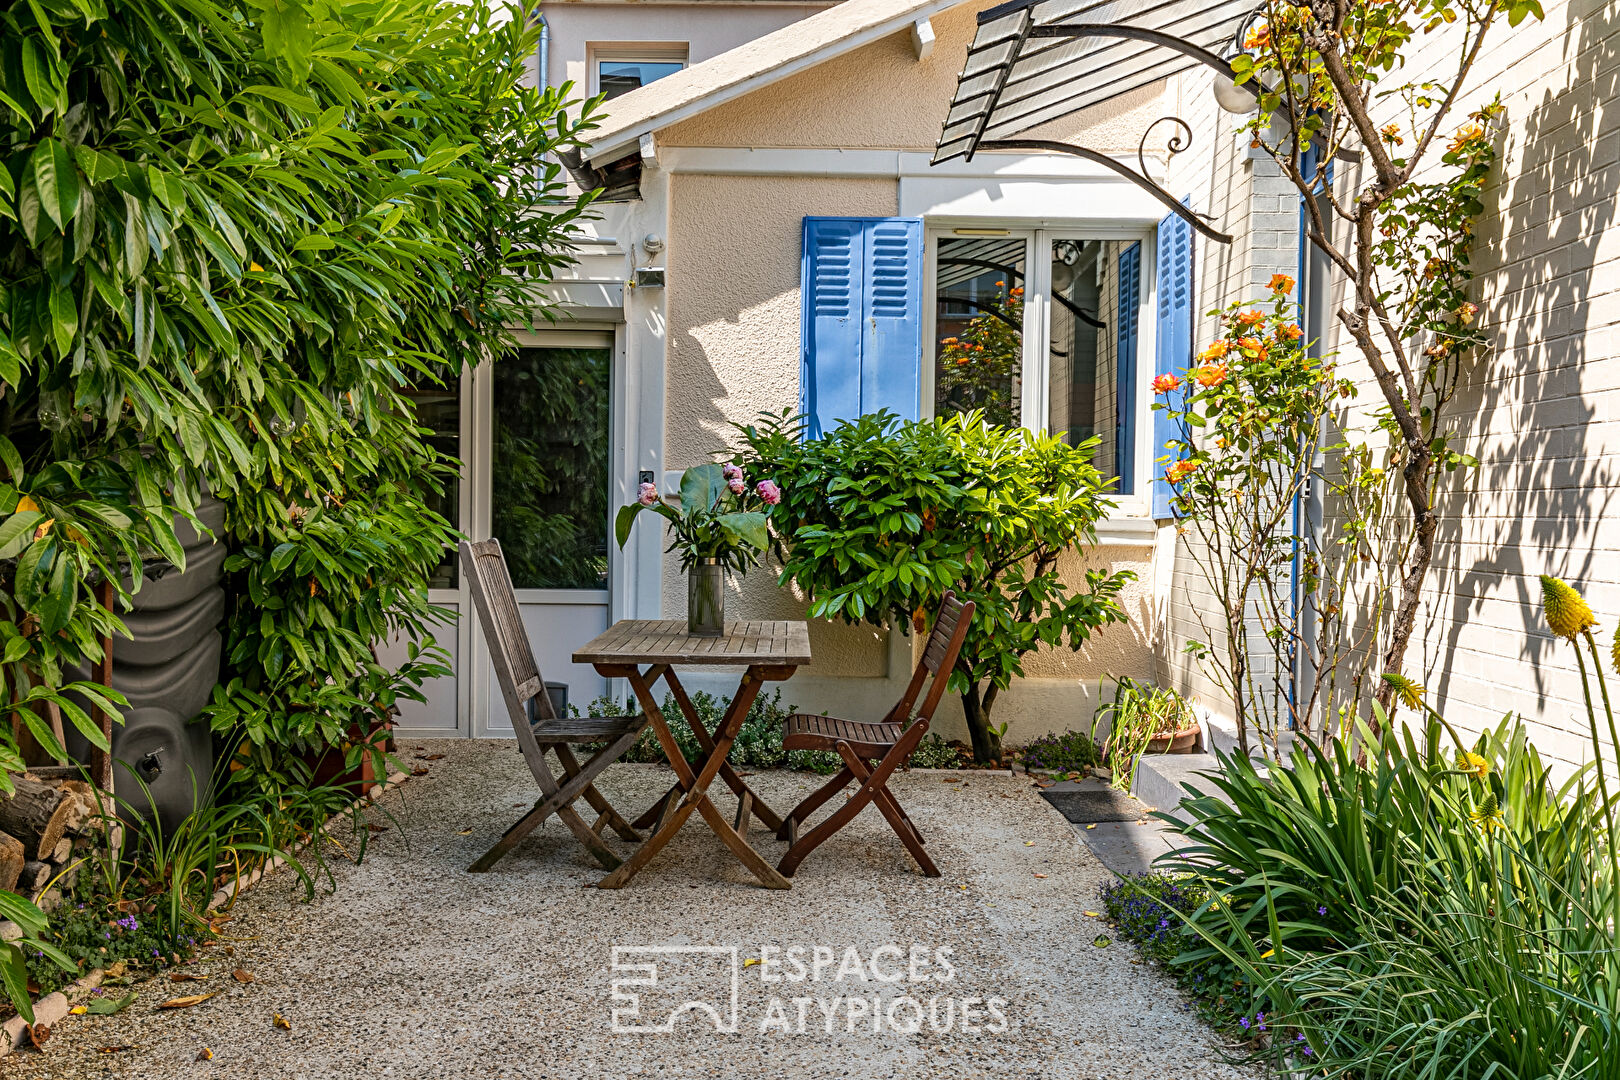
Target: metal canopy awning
(1034,61)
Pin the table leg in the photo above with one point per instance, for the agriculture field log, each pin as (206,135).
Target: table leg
(770,818)
(696,785)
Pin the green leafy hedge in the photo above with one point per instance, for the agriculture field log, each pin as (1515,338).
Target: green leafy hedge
(231,236)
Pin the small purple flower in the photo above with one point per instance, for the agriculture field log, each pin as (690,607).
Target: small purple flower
(1299,1036)
(648,494)
(731,471)
(1244,1020)
(1321,910)
(769,492)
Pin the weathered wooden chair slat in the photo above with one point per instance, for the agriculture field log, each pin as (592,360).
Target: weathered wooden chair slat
(645,652)
(535,723)
(872,751)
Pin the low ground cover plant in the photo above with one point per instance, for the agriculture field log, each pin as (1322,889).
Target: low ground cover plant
(759,742)
(1061,752)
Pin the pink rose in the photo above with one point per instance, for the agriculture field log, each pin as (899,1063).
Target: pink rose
(648,495)
(731,472)
(769,492)
(736,485)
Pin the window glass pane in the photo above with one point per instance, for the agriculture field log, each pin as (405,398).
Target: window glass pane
(615,77)
(979,327)
(438,408)
(1083,364)
(549,479)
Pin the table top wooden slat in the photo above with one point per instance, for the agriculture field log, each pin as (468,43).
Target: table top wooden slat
(665,641)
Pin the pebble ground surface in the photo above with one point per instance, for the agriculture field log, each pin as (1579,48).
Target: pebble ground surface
(413,968)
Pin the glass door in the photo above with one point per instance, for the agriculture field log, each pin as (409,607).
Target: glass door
(547,445)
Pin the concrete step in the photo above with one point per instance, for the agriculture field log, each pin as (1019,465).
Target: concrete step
(1159,778)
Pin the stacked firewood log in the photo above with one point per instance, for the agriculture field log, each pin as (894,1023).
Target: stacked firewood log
(49,828)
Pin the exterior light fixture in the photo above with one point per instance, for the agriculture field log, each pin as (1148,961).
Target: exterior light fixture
(1229,95)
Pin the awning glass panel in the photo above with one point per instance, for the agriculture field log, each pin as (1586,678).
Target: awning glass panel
(1025,70)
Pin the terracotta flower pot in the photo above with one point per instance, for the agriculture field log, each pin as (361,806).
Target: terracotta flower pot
(1182,742)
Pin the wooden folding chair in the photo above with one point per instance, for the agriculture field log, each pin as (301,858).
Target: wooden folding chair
(537,725)
(872,751)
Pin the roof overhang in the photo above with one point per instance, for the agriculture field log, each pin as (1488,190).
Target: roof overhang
(1035,61)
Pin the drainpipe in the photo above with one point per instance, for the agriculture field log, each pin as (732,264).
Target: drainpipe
(545,53)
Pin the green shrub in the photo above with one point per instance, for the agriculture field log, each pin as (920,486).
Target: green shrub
(233,238)
(759,741)
(1070,751)
(880,517)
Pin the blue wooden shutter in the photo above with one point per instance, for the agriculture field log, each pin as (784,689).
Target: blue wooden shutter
(1173,334)
(830,364)
(862,319)
(891,330)
(1130,303)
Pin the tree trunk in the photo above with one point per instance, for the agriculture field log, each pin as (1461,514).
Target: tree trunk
(986,743)
(37,814)
(1427,523)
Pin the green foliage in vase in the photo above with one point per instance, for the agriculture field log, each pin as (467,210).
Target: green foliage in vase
(1138,713)
(880,518)
(718,516)
(231,237)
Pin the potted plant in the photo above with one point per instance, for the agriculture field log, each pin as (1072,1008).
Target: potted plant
(717,524)
(1143,719)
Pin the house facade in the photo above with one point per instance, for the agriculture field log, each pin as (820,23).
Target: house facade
(777,235)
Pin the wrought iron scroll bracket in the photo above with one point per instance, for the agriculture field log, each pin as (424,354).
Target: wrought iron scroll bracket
(1141,180)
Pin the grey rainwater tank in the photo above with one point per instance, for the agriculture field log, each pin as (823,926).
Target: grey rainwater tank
(167,669)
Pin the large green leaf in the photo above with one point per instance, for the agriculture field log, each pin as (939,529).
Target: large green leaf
(57,180)
(701,485)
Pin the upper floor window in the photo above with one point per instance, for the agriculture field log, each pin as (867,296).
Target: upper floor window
(621,69)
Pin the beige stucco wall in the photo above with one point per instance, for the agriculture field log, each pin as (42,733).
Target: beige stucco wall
(882,96)
(733,345)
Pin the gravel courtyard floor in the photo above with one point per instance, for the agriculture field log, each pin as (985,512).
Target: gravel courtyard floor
(414,968)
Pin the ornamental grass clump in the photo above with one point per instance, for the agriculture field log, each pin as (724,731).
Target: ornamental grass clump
(1446,909)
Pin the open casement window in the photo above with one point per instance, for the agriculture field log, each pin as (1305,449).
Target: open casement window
(1040,329)
(862,319)
(1173,339)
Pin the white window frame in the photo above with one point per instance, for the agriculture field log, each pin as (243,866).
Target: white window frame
(632,52)
(1037,368)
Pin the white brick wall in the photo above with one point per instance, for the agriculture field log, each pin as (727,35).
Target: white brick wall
(1541,411)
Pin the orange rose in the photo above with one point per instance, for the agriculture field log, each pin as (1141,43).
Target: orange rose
(1216,350)
(1164,384)
(1292,332)
(1180,470)
(1282,283)
(1211,375)
(1251,318)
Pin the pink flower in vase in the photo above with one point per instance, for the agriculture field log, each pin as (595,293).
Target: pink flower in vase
(648,494)
(769,492)
(731,471)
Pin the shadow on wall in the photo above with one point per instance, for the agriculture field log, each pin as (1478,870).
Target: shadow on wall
(1541,489)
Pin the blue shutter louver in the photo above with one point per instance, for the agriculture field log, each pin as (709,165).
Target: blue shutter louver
(861,320)
(891,342)
(1173,337)
(1130,299)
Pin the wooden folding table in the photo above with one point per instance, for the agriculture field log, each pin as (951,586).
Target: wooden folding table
(643,651)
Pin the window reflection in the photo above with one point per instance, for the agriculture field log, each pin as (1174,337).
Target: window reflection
(615,77)
(979,327)
(1092,341)
(549,478)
